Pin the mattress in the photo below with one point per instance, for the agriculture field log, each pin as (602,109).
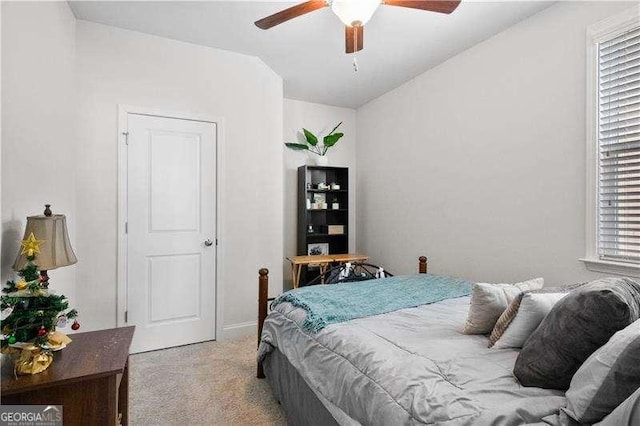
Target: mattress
(412,366)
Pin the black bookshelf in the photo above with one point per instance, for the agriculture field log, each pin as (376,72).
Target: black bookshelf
(319,226)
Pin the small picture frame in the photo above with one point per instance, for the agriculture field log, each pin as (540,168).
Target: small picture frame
(318,249)
(319,198)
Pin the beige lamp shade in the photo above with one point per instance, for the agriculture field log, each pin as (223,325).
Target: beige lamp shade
(55,250)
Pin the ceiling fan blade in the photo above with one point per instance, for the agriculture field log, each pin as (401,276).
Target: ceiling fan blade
(353,38)
(290,13)
(442,6)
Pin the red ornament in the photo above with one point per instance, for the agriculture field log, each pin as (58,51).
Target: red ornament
(75,325)
(42,331)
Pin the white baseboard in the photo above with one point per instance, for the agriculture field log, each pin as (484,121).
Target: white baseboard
(236,331)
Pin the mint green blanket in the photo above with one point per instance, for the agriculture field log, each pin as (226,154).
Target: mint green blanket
(330,304)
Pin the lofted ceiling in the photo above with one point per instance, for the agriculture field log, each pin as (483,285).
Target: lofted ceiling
(308,51)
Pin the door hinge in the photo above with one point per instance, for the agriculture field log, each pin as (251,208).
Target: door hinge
(126,316)
(216,242)
(126,138)
(126,227)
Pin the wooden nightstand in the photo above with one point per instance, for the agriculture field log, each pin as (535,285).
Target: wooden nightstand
(89,378)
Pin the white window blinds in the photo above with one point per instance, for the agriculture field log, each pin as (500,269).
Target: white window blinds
(619,147)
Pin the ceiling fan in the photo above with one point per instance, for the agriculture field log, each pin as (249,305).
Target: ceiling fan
(354,14)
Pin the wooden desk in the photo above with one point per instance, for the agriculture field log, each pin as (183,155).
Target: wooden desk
(323,261)
(89,378)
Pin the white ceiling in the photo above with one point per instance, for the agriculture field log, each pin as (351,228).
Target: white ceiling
(308,52)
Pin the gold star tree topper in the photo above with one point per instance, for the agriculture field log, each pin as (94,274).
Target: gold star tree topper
(31,246)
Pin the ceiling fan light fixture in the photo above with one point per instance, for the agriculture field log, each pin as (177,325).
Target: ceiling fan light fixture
(354,12)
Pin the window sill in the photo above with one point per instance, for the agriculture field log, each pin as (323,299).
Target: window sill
(610,267)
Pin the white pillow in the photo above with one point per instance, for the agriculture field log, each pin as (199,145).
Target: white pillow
(607,378)
(533,308)
(488,301)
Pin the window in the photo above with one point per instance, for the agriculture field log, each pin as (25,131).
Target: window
(614,143)
(619,143)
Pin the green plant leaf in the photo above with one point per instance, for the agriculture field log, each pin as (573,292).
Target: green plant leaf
(311,138)
(297,146)
(332,139)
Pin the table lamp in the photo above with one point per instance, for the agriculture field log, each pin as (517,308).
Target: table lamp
(55,250)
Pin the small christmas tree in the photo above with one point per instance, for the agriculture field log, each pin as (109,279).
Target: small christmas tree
(30,311)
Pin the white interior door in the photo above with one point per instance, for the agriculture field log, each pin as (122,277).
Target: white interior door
(171,235)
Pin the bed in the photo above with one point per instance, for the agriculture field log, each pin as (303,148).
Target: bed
(409,366)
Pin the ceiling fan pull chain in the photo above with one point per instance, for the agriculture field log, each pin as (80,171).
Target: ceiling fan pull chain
(355,63)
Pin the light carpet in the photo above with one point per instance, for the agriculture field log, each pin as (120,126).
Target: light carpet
(211,383)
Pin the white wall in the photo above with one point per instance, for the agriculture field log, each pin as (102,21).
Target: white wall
(479,163)
(320,120)
(1,231)
(123,67)
(38,126)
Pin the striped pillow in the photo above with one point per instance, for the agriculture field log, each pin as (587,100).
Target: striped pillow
(505,319)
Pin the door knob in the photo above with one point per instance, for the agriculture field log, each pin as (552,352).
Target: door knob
(208,243)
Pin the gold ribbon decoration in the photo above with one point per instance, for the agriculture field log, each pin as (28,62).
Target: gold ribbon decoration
(33,361)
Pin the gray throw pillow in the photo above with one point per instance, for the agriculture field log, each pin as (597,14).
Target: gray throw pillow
(627,413)
(608,377)
(577,325)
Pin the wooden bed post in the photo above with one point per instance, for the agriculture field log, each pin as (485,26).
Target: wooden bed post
(422,266)
(263,296)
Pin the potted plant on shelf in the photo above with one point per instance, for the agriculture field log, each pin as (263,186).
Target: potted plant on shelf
(314,146)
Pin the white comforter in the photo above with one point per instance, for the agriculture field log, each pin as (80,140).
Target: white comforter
(412,366)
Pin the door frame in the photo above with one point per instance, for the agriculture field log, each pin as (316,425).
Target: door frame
(122,241)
